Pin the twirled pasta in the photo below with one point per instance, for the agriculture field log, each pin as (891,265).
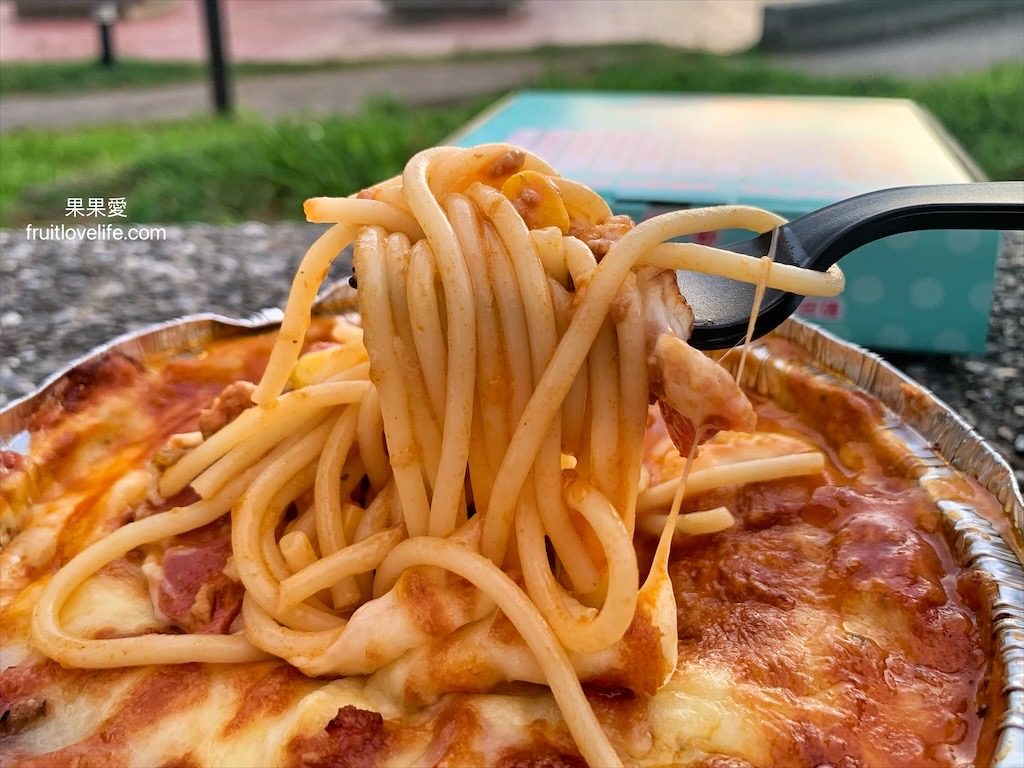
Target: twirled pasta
(492,403)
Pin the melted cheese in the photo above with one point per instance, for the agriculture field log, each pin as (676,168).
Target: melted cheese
(826,624)
(700,713)
(110,606)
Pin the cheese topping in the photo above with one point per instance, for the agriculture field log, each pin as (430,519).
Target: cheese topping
(829,625)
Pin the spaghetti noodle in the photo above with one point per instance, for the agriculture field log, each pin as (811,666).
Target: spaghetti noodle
(485,423)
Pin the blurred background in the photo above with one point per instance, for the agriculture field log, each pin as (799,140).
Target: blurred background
(215,119)
(327,96)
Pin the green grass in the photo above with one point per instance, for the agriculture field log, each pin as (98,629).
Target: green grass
(31,161)
(215,170)
(223,171)
(66,76)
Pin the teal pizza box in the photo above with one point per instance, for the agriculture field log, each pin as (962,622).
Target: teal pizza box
(925,291)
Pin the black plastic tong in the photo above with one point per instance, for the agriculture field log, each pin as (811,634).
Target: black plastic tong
(722,307)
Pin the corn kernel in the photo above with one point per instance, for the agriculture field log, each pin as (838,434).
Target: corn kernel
(537,200)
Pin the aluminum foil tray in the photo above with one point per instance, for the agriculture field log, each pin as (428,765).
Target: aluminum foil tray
(937,439)
(939,443)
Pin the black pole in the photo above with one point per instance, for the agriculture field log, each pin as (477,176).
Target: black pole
(218,63)
(106,14)
(106,46)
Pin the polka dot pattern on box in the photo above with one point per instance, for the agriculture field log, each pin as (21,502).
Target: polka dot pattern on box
(950,340)
(892,336)
(980,298)
(867,289)
(962,240)
(926,293)
(903,241)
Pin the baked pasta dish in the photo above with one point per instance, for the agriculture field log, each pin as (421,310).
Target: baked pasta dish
(501,514)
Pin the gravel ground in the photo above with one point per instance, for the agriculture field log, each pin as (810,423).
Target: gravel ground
(60,299)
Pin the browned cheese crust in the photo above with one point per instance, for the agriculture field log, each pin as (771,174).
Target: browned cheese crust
(829,626)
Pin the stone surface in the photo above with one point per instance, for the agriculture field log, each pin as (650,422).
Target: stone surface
(60,299)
